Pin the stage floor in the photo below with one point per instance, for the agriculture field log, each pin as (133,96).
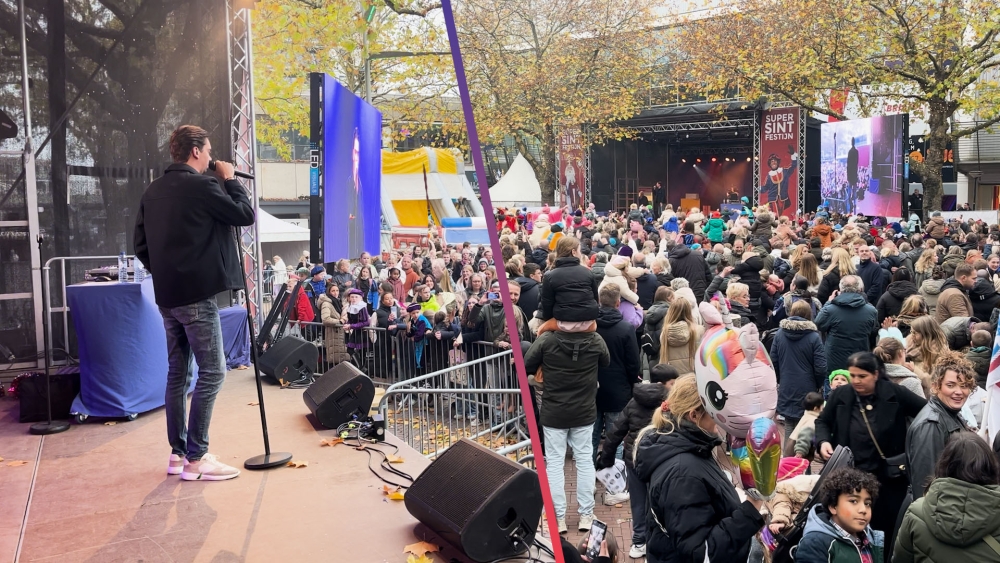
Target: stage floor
(100,493)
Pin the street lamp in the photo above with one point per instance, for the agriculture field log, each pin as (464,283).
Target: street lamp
(391,55)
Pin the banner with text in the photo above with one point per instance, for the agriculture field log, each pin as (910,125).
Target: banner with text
(779,150)
(572,169)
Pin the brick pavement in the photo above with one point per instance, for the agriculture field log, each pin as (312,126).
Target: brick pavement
(618,518)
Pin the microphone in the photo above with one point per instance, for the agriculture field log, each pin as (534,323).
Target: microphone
(211,166)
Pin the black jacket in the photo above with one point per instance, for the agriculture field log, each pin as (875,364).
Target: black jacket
(569,292)
(693,500)
(569,362)
(799,363)
(984,298)
(874,278)
(827,285)
(184,235)
(530,293)
(893,405)
(645,287)
(616,380)
(925,440)
(891,302)
(638,413)
(691,266)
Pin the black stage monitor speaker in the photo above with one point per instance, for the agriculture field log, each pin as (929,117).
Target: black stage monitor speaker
(340,393)
(484,504)
(289,359)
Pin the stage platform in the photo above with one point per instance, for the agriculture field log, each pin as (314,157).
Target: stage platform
(100,493)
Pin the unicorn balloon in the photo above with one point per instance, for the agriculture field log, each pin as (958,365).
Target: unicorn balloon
(736,380)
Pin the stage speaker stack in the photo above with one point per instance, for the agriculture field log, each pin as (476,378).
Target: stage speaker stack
(484,504)
(290,359)
(339,394)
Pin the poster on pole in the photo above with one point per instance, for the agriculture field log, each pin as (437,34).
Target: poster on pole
(779,170)
(572,172)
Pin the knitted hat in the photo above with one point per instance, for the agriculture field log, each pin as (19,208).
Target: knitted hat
(625,251)
(843,372)
(412,307)
(716,215)
(790,467)
(745,200)
(302,272)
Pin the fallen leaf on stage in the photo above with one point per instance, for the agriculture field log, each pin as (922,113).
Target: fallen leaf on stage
(298,463)
(392,493)
(253,403)
(420,548)
(331,442)
(19,463)
(360,447)
(110,423)
(395,459)
(243,367)
(421,559)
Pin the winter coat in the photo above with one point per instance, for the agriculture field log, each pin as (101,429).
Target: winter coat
(984,298)
(823,542)
(825,235)
(931,291)
(829,284)
(638,413)
(598,270)
(749,273)
(783,306)
(935,228)
(333,329)
(569,292)
(925,440)
(530,293)
(691,266)
(303,309)
(614,276)
(645,287)
(980,358)
(905,378)
(676,336)
(715,228)
(762,228)
(615,381)
(570,362)
(741,313)
(789,497)
(849,322)
(951,262)
(693,510)
(874,278)
(799,363)
(953,302)
(949,524)
(891,302)
(653,326)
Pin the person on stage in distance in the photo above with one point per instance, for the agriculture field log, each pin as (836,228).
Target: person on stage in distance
(184,236)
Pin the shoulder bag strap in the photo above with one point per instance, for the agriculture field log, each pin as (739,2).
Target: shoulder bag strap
(994,544)
(870,433)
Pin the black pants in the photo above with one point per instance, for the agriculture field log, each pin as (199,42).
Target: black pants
(891,493)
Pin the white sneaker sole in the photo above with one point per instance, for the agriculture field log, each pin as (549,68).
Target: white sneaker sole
(175,470)
(185,476)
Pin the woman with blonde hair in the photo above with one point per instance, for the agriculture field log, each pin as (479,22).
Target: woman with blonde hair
(925,344)
(840,265)
(924,266)
(913,307)
(697,513)
(808,268)
(680,337)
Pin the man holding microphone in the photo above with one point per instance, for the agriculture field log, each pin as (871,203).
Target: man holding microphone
(184,236)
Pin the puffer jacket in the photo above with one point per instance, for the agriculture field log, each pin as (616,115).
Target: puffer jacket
(569,292)
(951,262)
(980,358)
(598,270)
(849,322)
(715,228)
(925,440)
(676,337)
(333,332)
(653,322)
(616,379)
(570,362)
(890,303)
(646,398)
(762,228)
(931,290)
(823,542)
(789,497)
(799,363)
(691,266)
(825,234)
(984,298)
(935,228)
(949,524)
(614,276)
(694,513)
(829,284)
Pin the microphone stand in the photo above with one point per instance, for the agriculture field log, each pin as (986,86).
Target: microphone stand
(50,426)
(268,459)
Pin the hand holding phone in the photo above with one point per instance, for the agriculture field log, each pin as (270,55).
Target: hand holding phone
(597,532)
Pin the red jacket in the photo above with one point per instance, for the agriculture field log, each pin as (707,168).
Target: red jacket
(303,310)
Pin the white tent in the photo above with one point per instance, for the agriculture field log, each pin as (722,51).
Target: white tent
(518,187)
(272,229)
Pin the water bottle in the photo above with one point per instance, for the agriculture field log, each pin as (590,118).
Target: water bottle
(140,270)
(122,268)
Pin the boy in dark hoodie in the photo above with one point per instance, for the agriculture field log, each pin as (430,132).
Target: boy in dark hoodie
(980,355)
(837,529)
(638,414)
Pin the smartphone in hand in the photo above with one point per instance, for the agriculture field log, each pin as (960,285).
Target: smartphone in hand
(597,531)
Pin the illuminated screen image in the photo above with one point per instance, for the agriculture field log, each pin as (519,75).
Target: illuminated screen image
(862,165)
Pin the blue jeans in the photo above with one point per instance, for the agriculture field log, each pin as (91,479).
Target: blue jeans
(637,502)
(578,439)
(192,329)
(605,422)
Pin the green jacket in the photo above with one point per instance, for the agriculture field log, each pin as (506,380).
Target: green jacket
(949,523)
(569,362)
(716,229)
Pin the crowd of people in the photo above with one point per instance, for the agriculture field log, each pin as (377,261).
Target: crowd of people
(880,336)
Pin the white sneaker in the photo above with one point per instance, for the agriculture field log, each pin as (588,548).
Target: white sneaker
(586,521)
(637,551)
(620,498)
(176,464)
(208,468)
(561,525)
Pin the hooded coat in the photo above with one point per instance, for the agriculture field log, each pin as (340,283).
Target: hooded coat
(615,381)
(891,302)
(530,295)
(949,524)
(715,228)
(930,290)
(824,233)
(569,292)
(691,266)
(822,541)
(953,302)
(614,276)
(935,228)
(676,336)
(849,322)
(570,362)
(799,363)
(694,512)
(645,287)
(762,228)
(984,298)
(638,413)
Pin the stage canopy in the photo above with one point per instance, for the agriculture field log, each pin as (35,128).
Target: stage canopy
(518,187)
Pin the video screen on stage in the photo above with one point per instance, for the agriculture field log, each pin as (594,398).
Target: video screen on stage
(862,165)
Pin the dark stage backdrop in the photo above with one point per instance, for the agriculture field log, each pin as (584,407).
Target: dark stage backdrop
(643,161)
(709,180)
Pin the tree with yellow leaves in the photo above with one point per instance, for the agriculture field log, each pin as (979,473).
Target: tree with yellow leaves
(937,59)
(534,67)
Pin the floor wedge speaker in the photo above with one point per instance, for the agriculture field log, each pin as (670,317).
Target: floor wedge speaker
(338,394)
(289,359)
(484,504)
